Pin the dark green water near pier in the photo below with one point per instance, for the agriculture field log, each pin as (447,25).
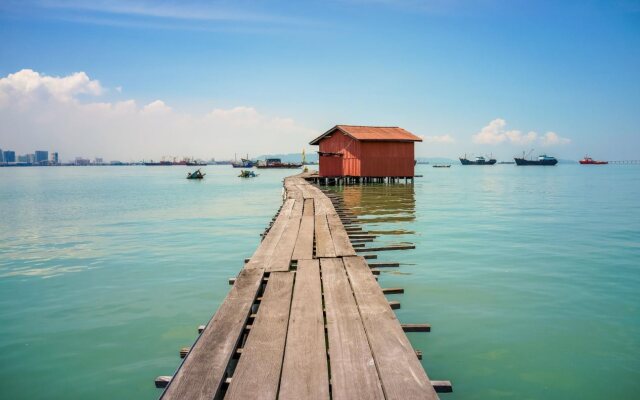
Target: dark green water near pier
(530,277)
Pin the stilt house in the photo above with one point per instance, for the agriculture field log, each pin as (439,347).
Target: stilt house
(366,151)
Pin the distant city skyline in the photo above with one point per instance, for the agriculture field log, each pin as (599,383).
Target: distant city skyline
(131,80)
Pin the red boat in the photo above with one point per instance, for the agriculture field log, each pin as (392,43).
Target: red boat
(589,160)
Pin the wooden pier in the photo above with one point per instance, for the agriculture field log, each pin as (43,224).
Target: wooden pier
(304,319)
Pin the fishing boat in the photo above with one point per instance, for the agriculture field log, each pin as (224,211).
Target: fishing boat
(590,161)
(276,163)
(543,159)
(247,174)
(441,165)
(195,175)
(478,161)
(243,163)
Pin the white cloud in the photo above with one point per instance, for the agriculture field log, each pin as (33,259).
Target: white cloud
(552,138)
(28,85)
(442,139)
(157,106)
(57,117)
(495,133)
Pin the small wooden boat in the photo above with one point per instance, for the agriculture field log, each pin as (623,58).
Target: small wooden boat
(247,174)
(441,165)
(195,175)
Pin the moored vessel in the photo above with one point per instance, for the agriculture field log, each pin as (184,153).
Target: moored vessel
(543,159)
(243,163)
(590,161)
(480,160)
(276,163)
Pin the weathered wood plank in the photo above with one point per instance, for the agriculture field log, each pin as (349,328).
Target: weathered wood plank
(257,374)
(339,236)
(400,371)
(202,372)
(353,371)
(308,208)
(305,372)
(388,248)
(303,249)
(262,255)
(324,243)
(281,258)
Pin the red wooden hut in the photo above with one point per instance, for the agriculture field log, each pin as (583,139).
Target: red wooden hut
(366,151)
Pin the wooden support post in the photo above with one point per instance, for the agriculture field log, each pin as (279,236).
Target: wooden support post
(394,304)
(442,386)
(162,381)
(384,265)
(393,290)
(416,327)
(401,247)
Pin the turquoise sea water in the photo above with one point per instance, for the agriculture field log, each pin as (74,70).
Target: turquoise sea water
(529,276)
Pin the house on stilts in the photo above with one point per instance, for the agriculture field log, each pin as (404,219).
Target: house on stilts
(362,154)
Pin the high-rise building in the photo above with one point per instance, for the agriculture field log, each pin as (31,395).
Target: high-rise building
(42,156)
(54,157)
(1,157)
(82,161)
(9,156)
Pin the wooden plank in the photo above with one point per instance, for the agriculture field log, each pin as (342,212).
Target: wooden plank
(396,290)
(308,208)
(353,371)
(384,265)
(257,374)
(339,236)
(201,374)
(281,258)
(322,205)
(305,372)
(400,371)
(398,247)
(416,327)
(264,252)
(303,249)
(442,386)
(324,243)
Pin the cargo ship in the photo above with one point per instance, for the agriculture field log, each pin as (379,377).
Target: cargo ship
(590,161)
(478,161)
(542,160)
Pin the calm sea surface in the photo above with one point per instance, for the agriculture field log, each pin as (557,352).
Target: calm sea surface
(530,276)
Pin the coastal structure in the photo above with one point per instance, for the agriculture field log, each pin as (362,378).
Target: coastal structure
(305,319)
(363,153)
(9,156)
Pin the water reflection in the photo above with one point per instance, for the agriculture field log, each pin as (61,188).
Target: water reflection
(384,209)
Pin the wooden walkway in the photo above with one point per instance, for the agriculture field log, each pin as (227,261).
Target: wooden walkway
(305,319)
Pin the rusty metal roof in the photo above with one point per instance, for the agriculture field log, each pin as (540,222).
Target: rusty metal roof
(367,133)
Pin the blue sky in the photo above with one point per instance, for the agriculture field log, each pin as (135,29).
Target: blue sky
(446,70)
